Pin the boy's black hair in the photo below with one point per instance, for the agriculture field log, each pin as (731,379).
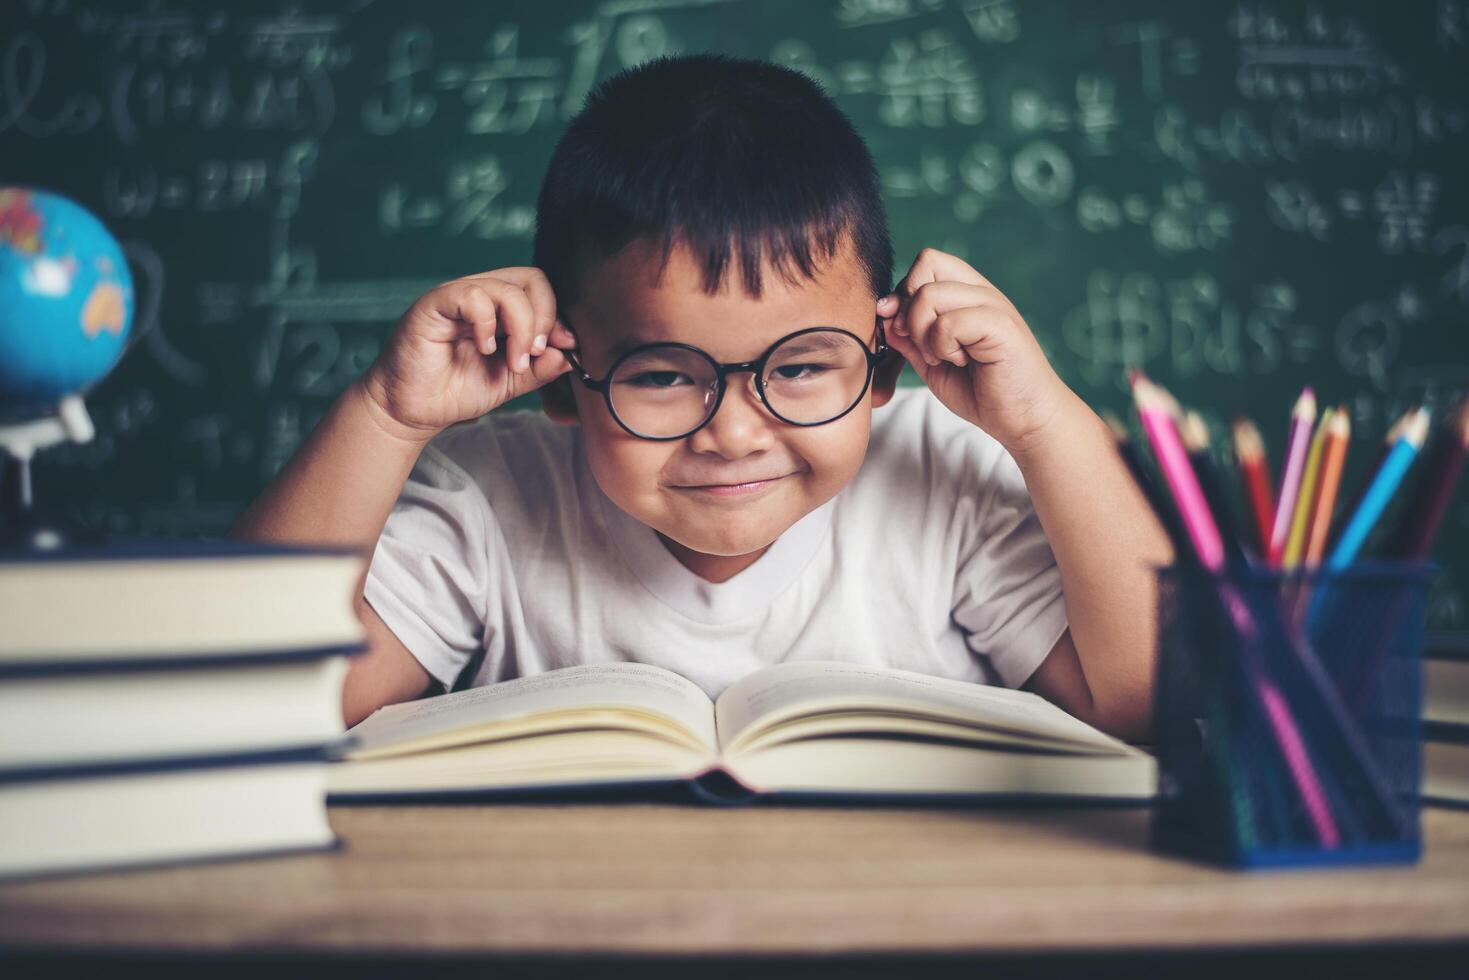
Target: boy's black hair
(727,156)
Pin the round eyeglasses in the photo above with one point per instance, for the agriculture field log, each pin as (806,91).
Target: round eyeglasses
(665,391)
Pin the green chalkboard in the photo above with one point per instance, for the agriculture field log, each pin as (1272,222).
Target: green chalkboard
(1240,197)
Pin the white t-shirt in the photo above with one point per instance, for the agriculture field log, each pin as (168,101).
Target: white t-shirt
(931,559)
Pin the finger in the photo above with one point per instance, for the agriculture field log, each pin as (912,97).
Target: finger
(516,320)
(928,303)
(970,335)
(543,369)
(465,308)
(904,346)
(542,300)
(561,336)
(931,265)
(549,366)
(537,288)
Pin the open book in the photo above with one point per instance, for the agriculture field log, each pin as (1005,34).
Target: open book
(808,728)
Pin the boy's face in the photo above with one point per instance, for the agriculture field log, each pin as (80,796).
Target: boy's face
(686,489)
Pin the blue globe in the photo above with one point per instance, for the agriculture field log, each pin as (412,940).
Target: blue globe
(66,300)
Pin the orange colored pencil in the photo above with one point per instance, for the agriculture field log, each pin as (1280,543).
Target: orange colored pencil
(1254,471)
(1333,458)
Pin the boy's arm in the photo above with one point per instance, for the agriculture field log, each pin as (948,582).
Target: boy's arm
(338,490)
(1107,541)
(464,348)
(974,350)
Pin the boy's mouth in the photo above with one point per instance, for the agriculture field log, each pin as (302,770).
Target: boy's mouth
(734,489)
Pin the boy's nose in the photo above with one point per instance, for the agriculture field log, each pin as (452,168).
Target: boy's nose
(743,424)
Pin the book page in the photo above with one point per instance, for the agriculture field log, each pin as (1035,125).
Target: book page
(787,690)
(589,686)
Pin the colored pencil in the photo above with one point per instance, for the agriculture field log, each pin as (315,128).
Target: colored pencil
(1254,471)
(1152,404)
(1423,516)
(1195,434)
(1388,441)
(1303,415)
(1162,506)
(1295,543)
(1380,492)
(1168,450)
(1333,460)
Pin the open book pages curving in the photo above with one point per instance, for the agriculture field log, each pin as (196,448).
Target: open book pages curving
(801,728)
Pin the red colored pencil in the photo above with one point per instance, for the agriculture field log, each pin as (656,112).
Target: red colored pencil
(1254,474)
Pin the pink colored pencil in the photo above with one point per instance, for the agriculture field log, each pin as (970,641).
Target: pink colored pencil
(1303,418)
(1152,409)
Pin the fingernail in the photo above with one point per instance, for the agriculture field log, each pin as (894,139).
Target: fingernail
(538,345)
(523,362)
(489,346)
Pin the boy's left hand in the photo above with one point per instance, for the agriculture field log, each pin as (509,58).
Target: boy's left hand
(973,349)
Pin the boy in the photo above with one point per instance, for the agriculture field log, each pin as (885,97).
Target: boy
(725,476)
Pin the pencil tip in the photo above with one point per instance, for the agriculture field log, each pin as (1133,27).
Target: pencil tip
(1397,428)
(1195,432)
(1417,430)
(1247,442)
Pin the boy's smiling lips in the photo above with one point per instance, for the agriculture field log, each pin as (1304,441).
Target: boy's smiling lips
(733,489)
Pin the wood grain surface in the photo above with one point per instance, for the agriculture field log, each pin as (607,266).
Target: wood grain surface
(671,879)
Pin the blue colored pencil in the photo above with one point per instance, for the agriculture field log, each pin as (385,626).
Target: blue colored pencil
(1379,492)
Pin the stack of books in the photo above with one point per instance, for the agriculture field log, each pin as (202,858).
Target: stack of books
(1446,722)
(164,702)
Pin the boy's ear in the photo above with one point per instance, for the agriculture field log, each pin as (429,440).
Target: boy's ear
(558,402)
(885,377)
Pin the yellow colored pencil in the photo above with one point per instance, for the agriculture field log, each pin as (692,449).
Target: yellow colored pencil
(1333,459)
(1295,544)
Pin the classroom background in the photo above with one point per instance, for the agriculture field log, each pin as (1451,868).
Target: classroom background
(1239,198)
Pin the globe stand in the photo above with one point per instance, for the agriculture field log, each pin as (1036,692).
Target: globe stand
(20,525)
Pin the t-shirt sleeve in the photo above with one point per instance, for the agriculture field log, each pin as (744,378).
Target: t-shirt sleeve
(430,572)
(1007,590)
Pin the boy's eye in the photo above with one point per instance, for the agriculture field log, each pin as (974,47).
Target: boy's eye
(659,379)
(797,372)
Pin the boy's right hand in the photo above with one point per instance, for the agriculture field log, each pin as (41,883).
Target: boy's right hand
(466,347)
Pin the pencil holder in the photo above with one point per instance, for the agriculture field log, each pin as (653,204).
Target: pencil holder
(1287,715)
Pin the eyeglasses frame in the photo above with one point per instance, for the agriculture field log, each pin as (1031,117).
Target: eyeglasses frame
(722,371)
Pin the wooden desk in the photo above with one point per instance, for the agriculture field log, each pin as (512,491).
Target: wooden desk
(668,879)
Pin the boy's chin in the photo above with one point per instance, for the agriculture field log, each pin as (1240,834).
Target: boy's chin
(730,543)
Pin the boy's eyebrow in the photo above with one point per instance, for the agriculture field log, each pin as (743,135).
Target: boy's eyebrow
(624,345)
(813,342)
(631,341)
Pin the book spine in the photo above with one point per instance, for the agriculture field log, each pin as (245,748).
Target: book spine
(720,787)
